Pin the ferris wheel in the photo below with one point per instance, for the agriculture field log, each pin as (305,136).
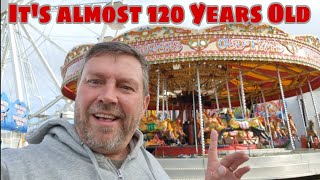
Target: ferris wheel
(32,55)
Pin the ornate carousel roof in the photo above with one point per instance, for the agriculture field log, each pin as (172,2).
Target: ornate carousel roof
(219,53)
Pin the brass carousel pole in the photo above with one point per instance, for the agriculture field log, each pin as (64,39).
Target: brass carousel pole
(166,95)
(301,113)
(158,92)
(200,112)
(314,102)
(304,103)
(267,116)
(281,110)
(163,98)
(194,119)
(227,85)
(285,108)
(244,108)
(215,93)
(240,101)
(251,106)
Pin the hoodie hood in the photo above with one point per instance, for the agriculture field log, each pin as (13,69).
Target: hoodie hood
(135,144)
(35,136)
(67,134)
(60,129)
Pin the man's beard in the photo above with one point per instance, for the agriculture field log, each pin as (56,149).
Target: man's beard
(94,136)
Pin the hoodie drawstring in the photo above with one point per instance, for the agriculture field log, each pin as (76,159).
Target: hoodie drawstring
(148,162)
(93,160)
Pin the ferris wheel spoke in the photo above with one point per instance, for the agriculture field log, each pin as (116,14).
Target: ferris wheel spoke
(44,108)
(42,58)
(16,64)
(47,38)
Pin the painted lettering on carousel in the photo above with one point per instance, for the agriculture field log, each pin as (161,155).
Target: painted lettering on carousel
(251,45)
(310,56)
(160,47)
(313,55)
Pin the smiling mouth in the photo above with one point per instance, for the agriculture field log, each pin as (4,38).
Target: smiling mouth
(105,117)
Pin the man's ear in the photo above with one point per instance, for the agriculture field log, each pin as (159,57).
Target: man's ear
(146,102)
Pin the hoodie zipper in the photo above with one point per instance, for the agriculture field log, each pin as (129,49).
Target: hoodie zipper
(119,171)
(120,175)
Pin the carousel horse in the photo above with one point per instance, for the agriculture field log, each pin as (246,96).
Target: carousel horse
(168,130)
(173,129)
(210,122)
(177,129)
(146,121)
(276,131)
(143,124)
(293,128)
(155,141)
(312,137)
(253,124)
(236,134)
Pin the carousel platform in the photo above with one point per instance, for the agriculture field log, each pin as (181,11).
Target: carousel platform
(176,151)
(265,164)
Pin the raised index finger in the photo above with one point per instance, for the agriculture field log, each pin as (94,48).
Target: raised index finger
(213,149)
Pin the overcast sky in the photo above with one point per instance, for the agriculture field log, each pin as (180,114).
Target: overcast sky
(94,30)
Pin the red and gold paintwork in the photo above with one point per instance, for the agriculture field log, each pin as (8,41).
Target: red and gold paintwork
(219,52)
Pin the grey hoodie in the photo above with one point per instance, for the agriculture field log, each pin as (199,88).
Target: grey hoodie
(55,151)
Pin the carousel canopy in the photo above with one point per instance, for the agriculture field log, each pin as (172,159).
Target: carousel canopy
(219,53)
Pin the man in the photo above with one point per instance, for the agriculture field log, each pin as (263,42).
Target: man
(104,143)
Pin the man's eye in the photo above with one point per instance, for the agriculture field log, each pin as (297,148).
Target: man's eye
(94,82)
(127,88)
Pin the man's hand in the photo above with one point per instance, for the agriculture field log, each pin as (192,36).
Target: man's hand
(227,168)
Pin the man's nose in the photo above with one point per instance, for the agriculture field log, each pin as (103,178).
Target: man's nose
(108,94)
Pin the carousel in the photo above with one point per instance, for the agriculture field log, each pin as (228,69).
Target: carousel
(231,67)
(231,78)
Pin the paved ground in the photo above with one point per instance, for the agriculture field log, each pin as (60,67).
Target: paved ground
(264,163)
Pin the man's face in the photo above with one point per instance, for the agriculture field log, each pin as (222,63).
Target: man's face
(110,102)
